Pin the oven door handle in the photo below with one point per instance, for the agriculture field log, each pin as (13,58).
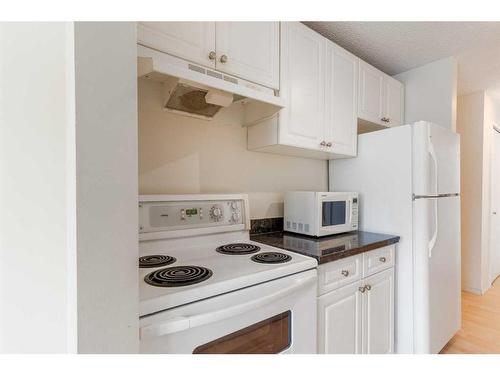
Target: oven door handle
(182,323)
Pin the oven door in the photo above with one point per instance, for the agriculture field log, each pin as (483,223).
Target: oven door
(335,215)
(274,317)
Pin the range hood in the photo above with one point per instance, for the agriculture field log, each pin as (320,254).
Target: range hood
(193,90)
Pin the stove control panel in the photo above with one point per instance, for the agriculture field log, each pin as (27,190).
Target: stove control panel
(166,216)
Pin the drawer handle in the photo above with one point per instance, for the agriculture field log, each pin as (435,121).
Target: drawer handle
(368,287)
(345,273)
(362,289)
(382,259)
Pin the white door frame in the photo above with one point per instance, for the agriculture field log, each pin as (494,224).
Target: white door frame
(491,277)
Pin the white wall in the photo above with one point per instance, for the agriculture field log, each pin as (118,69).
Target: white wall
(476,114)
(106,157)
(470,122)
(34,109)
(68,188)
(178,154)
(431,93)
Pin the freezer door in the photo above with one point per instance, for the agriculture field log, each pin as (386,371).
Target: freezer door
(436,160)
(437,272)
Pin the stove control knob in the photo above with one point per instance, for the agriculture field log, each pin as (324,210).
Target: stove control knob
(216,213)
(234,205)
(236,217)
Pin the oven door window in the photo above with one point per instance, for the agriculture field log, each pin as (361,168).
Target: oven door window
(334,213)
(269,336)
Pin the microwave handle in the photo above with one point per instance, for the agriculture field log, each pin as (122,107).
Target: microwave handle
(182,323)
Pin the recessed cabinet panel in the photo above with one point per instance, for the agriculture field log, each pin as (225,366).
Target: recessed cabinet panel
(393,101)
(378,313)
(339,317)
(192,41)
(370,93)
(341,100)
(249,50)
(302,85)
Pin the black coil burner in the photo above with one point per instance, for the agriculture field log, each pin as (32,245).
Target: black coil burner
(271,258)
(237,249)
(151,261)
(178,276)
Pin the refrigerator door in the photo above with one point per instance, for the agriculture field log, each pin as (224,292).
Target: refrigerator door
(436,162)
(436,272)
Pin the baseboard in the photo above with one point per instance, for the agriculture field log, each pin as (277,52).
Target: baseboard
(477,291)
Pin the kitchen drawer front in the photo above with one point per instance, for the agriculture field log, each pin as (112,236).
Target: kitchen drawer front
(378,260)
(333,275)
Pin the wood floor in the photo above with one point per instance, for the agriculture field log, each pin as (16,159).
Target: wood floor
(480,331)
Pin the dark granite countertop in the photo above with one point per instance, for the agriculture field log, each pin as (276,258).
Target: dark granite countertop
(328,248)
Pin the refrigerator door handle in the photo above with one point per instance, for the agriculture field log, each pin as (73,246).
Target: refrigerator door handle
(432,153)
(433,240)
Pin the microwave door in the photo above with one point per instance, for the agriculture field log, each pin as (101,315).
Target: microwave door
(334,213)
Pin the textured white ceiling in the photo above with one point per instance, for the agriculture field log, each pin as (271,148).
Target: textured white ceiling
(395,47)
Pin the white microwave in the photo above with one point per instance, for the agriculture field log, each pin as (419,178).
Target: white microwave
(320,213)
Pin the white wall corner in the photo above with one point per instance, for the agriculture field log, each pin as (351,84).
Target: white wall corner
(431,92)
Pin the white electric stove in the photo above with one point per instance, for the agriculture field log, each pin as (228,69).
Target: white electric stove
(206,288)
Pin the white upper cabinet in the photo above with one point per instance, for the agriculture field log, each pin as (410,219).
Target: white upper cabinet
(380,97)
(371,83)
(193,41)
(394,101)
(341,100)
(319,85)
(301,123)
(249,50)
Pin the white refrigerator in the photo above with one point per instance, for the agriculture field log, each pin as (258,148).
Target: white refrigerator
(408,178)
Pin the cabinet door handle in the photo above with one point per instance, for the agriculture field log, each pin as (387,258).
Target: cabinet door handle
(362,289)
(323,143)
(368,287)
(329,144)
(211,55)
(345,273)
(223,59)
(382,259)
(384,119)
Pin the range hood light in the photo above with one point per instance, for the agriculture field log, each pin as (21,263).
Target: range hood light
(219,97)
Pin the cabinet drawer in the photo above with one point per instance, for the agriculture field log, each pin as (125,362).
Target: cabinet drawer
(339,273)
(377,260)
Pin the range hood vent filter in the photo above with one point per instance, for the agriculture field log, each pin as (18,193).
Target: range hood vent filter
(191,100)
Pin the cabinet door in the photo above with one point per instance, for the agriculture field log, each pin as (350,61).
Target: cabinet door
(192,41)
(302,71)
(251,51)
(370,105)
(394,101)
(341,133)
(378,313)
(339,321)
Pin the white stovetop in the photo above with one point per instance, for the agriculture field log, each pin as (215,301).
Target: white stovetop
(230,272)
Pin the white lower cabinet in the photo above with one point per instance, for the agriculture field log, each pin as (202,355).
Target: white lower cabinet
(358,317)
(378,313)
(340,321)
